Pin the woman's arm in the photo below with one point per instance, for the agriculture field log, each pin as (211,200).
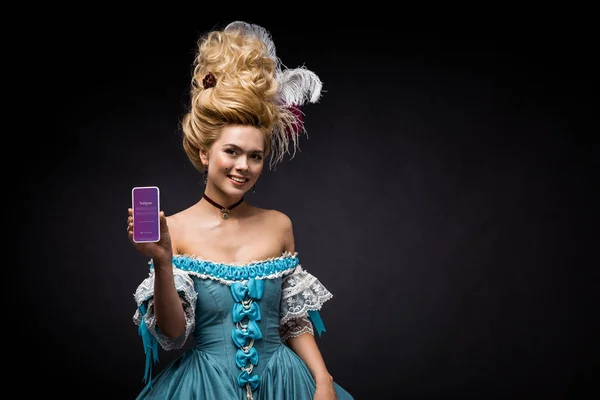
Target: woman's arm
(305,346)
(170,315)
(168,308)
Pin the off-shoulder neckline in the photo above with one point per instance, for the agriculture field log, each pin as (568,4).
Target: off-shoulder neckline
(193,257)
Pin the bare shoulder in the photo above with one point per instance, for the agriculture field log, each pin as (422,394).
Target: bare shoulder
(282,219)
(177,224)
(275,218)
(175,220)
(283,227)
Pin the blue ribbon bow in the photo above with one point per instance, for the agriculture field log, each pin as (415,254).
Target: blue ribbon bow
(241,337)
(244,377)
(239,312)
(242,359)
(254,288)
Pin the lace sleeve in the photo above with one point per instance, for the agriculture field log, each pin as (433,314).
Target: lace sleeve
(144,298)
(301,293)
(295,327)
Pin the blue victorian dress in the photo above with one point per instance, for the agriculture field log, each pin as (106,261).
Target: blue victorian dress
(240,316)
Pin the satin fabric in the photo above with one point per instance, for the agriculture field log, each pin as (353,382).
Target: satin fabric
(211,370)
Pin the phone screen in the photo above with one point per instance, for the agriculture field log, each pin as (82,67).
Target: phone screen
(145,202)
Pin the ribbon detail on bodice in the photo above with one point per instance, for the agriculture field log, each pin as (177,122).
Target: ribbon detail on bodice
(245,313)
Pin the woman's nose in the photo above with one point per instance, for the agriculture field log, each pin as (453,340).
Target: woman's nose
(242,163)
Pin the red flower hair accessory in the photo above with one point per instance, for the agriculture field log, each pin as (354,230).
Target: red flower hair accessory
(209,81)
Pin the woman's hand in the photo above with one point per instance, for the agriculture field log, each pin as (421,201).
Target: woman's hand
(160,250)
(325,390)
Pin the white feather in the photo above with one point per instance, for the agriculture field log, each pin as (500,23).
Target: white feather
(260,32)
(298,86)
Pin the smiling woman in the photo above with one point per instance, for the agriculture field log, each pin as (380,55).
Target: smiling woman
(236,162)
(237,154)
(224,269)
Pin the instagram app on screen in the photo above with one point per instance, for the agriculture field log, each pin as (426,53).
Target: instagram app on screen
(145,202)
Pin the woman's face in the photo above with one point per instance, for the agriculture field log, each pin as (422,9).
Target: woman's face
(235,160)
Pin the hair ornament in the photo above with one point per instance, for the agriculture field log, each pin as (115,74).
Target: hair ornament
(297,86)
(209,81)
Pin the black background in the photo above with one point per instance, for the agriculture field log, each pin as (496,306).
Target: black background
(446,195)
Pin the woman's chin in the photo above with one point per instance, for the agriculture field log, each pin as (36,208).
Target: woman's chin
(234,191)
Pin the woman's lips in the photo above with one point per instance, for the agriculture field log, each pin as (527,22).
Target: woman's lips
(237,182)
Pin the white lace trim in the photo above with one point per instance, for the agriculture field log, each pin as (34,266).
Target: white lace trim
(301,292)
(296,327)
(166,342)
(183,283)
(145,292)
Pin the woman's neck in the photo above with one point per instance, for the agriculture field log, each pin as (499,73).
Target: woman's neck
(220,203)
(221,197)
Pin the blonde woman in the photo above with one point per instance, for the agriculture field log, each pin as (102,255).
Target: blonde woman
(224,271)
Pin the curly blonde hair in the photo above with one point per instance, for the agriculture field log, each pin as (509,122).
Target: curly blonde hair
(247,92)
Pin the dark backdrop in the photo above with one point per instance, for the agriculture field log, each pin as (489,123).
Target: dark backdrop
(445,195)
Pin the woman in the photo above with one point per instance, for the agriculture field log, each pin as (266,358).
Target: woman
(226,271)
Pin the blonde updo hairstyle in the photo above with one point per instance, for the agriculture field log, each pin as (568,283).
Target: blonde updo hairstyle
(244,93)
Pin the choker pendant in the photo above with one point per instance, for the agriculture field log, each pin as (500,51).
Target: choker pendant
(224,211)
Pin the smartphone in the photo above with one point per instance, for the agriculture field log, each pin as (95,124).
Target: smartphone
(145,203)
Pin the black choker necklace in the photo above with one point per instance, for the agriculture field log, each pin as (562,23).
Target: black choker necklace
(224,211)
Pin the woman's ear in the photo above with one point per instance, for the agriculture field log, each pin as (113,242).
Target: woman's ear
(204,156)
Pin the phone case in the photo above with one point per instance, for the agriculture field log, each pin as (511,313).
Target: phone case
(145,203)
